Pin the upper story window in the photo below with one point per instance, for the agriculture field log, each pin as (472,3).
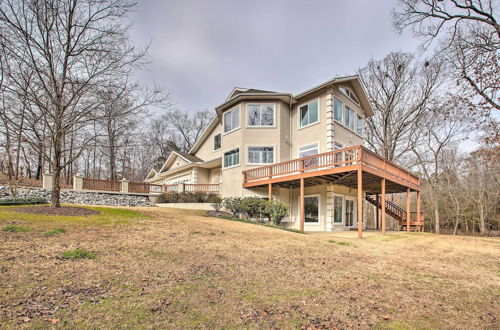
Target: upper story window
(260,155)
(260,115)
(232,158)
(349,118)
(309,113)
(338,110)
(359,126)
(309,150)
(349,93)
(232,120)
(217,142)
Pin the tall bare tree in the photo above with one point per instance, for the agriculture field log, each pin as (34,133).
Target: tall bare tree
(400,89)
(468,33)
(70,47)
(188,126)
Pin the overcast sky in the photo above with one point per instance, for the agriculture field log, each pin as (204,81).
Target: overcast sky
(201,49)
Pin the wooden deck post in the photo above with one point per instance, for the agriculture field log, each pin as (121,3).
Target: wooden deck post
(408,210)
(270,191)
(376,213)
(302,206)
(418,210)
(382,206)
(360,202)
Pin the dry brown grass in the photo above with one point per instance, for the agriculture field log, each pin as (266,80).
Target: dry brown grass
(180,269)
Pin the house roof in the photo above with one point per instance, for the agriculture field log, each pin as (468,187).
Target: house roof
(213,123)
(239,90)
(152,173)
(187,157)
(357,84)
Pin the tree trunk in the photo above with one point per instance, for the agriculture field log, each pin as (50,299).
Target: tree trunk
(436,218)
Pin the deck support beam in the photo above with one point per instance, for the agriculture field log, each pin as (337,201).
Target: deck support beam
(360,202)
(408,213)
(376,213)
(382,206)
(302,206)
(270,191)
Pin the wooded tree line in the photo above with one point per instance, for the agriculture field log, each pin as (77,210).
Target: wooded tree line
(69,103)
(428,104)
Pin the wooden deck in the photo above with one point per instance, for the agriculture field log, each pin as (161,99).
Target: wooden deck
(335,167)
(354,167)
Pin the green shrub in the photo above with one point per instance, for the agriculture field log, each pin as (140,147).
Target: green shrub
(54,232)
(190,197)
(23,201)
(276,210)
(78,254)
(16,229)
(233,205)
(216,203)
(254,207)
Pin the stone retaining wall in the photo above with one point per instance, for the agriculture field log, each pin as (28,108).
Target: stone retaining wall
(78,197)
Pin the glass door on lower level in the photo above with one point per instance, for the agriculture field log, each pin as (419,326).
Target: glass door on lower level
(349,213)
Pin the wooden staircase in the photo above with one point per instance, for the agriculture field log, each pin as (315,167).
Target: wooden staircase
(398,213)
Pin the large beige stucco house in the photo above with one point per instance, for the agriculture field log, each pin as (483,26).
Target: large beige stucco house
(305,150)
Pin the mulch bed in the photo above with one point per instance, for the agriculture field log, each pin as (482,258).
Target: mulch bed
(63,210)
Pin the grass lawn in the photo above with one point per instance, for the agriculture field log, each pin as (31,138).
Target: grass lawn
(167,268)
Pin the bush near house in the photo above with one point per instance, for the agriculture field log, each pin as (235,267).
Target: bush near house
(190,197)
(23,201)
(256,208)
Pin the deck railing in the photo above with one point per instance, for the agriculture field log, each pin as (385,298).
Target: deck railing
(335,158)
(202,187)
(105,185)
(171,187)
(144,188)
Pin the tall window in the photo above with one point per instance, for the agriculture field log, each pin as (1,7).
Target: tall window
(349,118)
(309,150)
(309,113)
(349,213)
(260,155)
(359,126)
(232,120)
(260,114)
(338,110)
(217,142)
(337,208)
(232,158)
(311,206)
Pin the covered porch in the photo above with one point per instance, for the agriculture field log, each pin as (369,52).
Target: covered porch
(354,167)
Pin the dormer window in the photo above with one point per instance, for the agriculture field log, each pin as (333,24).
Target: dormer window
(349,93)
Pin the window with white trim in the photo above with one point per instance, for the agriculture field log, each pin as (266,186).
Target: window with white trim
(260,155)
(359,126)
(309,113)
(311,206)
(217,142)
(349,118)
(232,120)
(232,158)
(260,115)
(338,109)
(309,150)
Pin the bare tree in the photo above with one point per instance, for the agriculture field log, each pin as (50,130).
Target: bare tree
(400,89)
(70,47)
(469,39)
(440,131)
(188,127)
(124,106)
